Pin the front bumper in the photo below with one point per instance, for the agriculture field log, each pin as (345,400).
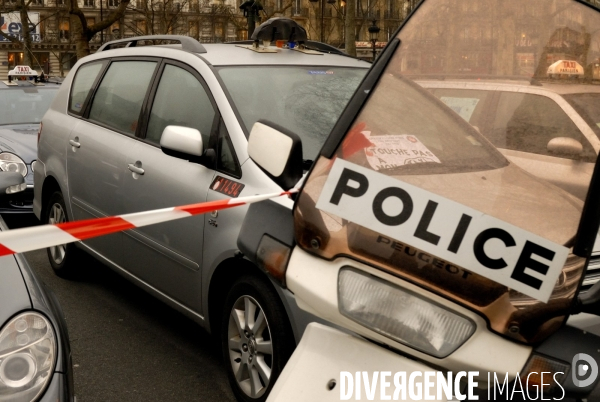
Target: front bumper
(59,390)
(19,203)
(314,371)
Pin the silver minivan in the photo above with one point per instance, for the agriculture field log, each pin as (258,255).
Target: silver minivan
(147,127)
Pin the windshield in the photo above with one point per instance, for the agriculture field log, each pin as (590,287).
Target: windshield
(422,136)
(24,105)
(306,100)
(471,147)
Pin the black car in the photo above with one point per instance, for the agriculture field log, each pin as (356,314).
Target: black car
(23,103)
(35,356)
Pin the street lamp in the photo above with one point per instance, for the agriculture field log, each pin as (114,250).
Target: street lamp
(323,14)
(373,33)
(251,9)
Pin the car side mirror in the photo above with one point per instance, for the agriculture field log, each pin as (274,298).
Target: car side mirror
(589,302)
(277,151)
(186,143)
(565,146)
(11,182)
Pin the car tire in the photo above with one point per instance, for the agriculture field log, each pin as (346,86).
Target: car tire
(256,338)
(62,258)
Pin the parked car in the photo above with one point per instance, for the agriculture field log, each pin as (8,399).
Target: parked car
(148,127)
(562,118)
(35,356)
(22,106)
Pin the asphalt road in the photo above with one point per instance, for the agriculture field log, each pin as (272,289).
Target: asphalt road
(128,346)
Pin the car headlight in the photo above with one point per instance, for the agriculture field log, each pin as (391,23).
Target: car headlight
(401,315)
(27,357)
(12,163)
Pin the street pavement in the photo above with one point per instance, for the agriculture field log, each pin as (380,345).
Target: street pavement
(128,346)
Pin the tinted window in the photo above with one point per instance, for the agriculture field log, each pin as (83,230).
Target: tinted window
(525,122)
(469,104)
(180,100)
(119,97)
(82,84)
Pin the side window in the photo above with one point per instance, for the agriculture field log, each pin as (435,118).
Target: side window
(180,100)
(118,100)
(525,122)
(469,104)
(82,84)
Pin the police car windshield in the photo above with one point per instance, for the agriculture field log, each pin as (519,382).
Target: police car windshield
(24,105)
(304,99)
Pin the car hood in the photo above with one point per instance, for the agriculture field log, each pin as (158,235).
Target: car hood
(511,195)
(14,296)
(20,140)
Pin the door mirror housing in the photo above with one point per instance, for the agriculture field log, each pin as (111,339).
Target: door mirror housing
(277,151)
(565,146)
(11,182)
(186,143)
(589,302)
(181,142)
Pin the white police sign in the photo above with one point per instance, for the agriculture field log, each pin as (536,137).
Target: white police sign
(461,235)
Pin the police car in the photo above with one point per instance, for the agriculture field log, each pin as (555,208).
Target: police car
(23,101)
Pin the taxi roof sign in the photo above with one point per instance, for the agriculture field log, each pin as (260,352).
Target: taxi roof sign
(566,67)
(23,71)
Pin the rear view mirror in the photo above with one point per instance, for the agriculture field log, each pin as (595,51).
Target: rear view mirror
(11,182)
(565,146)
(277,151)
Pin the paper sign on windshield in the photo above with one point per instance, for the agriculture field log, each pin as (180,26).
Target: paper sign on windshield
(463,236)
(391,151)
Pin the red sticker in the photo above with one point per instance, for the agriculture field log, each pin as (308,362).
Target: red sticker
(227,187)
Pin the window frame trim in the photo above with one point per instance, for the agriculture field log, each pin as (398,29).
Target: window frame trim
(215,132)
(88,106)
(91,92)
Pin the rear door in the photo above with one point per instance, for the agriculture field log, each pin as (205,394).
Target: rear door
(98,144)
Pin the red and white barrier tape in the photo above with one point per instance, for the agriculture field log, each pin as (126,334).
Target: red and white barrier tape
(33,238)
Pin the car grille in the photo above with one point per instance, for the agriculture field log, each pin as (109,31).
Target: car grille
(592,274)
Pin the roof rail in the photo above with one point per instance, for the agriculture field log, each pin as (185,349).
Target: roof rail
(187,43)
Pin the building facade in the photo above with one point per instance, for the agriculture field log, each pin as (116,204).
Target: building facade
(53,44)
(208,21)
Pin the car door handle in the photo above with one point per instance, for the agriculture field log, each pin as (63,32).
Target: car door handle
(135,169)
(74,143)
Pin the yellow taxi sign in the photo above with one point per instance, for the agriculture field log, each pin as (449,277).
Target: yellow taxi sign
(566,68)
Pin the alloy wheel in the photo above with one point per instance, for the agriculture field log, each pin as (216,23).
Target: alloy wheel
(57,215)
(250,346)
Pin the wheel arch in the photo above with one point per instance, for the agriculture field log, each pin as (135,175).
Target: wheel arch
(48,188)
(226,273)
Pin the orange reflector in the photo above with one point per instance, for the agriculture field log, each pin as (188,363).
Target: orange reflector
(543,373)
(273,256)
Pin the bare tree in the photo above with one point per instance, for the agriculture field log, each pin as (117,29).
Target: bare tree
(83,32)
(350,27)
(161,16)
(21,7)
